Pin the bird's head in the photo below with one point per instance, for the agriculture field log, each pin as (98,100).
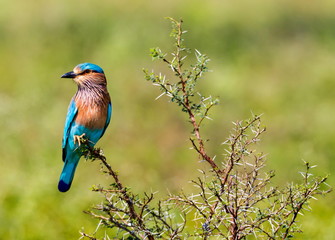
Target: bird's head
(86,73)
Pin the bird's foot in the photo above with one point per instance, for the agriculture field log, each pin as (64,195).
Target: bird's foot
(78,138)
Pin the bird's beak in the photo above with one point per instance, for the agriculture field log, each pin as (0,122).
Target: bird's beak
(69,75)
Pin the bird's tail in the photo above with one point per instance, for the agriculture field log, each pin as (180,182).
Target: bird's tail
(67,175)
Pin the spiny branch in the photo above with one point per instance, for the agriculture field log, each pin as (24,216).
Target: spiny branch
(233,200)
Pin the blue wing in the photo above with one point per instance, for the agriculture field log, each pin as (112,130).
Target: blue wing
(109,115)
(71,113)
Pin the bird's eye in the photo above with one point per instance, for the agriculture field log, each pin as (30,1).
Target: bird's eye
(87,71)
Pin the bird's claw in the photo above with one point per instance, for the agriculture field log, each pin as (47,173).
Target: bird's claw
(78,138)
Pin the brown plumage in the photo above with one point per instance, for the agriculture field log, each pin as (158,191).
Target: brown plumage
(92,100)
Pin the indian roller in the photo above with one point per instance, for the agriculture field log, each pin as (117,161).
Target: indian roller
(88,116)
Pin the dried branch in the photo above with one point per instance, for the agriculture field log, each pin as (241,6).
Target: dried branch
(235,199)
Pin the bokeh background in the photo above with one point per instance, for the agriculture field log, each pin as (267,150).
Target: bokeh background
(270,57)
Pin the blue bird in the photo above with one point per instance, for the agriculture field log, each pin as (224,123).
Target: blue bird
(88,115)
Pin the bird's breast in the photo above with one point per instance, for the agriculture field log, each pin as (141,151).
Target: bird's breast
(91,116)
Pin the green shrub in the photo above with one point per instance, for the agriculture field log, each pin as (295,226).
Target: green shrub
(233,198)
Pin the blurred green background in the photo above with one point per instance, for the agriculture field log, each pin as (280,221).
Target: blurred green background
(271,57)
